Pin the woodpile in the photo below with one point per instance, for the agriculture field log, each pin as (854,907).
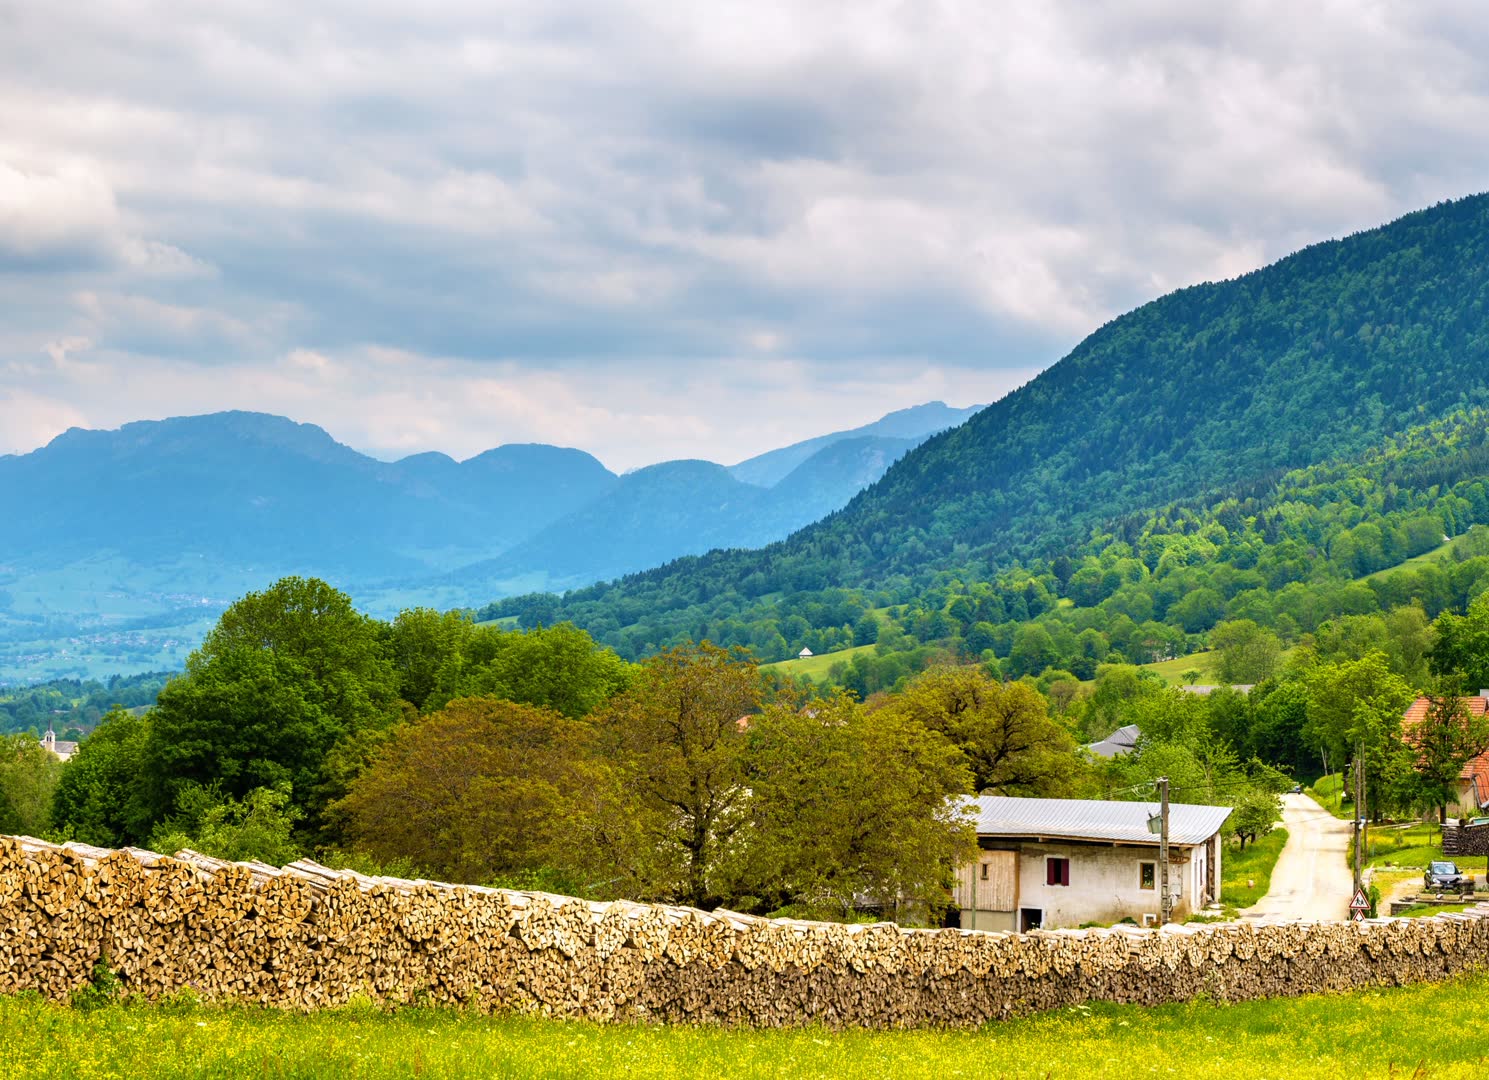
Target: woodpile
(305,936)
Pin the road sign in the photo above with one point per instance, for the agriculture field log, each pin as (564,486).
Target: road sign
(1357,914)
(1359,903)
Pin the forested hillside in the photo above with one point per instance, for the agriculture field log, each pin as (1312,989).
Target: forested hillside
(1212,389)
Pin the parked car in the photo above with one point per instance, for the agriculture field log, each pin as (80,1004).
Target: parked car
(1445,875)
(1296,789)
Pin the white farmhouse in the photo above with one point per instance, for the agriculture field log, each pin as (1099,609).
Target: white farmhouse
(1064,862)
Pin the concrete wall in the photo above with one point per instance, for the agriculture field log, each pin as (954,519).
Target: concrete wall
(1105,885)
(300,939)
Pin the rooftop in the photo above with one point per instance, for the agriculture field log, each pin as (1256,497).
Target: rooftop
(1120,741)
(1092,819)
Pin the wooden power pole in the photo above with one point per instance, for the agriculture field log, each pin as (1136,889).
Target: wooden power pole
(1359,778)
(1165,902)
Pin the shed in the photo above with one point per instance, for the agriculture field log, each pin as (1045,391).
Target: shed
(1064,862)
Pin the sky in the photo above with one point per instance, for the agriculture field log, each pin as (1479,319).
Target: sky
(656,230)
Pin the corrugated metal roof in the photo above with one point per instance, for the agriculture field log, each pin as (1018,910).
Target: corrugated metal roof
(1091,819)
(1120,741)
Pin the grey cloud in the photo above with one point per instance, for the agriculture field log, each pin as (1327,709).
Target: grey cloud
(578,189)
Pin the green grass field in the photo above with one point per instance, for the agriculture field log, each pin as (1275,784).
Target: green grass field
(1413,846)
(1423,1031)
(1416,560)
(1255,864)
(1327,792)
(816,667)
(1172,671)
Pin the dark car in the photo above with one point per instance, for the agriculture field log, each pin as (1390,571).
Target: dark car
(1445,875)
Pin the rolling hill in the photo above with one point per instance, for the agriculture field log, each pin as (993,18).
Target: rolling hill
(1318,356)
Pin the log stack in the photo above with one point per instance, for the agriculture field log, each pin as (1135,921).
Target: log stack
(306,936)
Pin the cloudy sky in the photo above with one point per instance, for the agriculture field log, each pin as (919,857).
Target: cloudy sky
(656,229)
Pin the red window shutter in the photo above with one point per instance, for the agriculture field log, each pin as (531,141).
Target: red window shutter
(1051,872)
(1064,871)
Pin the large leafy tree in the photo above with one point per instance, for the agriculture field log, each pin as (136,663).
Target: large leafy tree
(98,798)
(1462,648)
(486,788)
(1011,744)
(293,686)
(1447,737)
(1356,707)
(1247,653)
(678,737)
(846,807)
(28,778)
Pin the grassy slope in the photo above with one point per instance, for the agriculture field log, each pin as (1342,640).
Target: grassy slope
(816,667)
(1255,864)
(1433,1030)
(1417,560)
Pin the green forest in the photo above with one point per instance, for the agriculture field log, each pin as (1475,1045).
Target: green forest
(433,746)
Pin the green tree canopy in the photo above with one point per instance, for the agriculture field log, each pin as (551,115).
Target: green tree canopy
(98,798)
(846,807)
(485,788)
(28,777)
(677,736)
(1012,746)
(293,686)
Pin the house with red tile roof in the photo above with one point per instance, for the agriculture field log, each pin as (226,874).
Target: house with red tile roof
(1473,780)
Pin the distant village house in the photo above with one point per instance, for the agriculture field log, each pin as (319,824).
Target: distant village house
(804,654)
(1063,862)
(1472,794)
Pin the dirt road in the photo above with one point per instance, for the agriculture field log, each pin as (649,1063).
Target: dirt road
(1312,879)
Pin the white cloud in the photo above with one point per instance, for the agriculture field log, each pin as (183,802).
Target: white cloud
(655,229)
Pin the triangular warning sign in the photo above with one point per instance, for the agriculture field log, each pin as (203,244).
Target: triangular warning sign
(1359,903)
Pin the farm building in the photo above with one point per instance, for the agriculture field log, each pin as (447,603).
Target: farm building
(1064,862)
(805,654)
(1473,781)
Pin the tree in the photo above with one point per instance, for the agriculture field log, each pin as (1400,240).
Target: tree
(97,798)
(1462,648)
(1445,739)
(486,788)
(559,667)
(258,826)
(1253,815)
(28,777)
(1358,705)
(1012,745)
(1033,650)
(677,737)
(293,686)
(1246,652)
(848,808)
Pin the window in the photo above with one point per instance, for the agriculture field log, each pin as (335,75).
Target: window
(1147,875)
(1057,871)
(984,871)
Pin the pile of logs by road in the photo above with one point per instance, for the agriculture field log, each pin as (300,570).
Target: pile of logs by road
(305,936)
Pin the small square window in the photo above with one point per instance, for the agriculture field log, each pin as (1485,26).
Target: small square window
(1057,871)
(1148,875)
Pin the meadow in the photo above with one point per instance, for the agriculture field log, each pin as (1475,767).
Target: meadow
(1421,1031)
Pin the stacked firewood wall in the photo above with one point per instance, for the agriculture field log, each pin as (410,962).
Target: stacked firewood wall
(304,936)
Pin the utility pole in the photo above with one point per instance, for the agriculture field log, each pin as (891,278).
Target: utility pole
(1359,778)
(1165,903)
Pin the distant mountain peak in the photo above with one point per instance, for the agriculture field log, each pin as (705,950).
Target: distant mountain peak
(917,422)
